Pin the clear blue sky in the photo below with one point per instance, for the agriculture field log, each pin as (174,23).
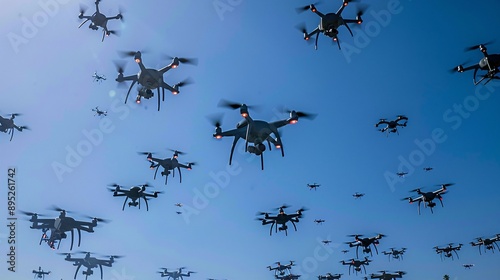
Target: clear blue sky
(397,63)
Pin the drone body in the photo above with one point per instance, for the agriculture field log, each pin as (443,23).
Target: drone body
(176,274)
(329,23)
(90,263)
(489,63)
(488,243)
(98,20)
(150,79)
(365,243)
(135,194)
(281,219)
(169,164)
(468,265)
(40,273)
(290,276)
(395,254)
(98,78)
(313,186)
(319,221)
(358,195)
(387,275)
(448,251)
(8,125)
(392,126)
(329,276)
(99,112)
(60,225)
(255,132)
(402,174)
(428,197)
(282,269)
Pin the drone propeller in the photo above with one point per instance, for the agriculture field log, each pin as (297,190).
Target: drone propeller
(232,105)
(478,46)
(284,206)
(83,9)
(300,114)
(114,32)
(97,219)
(445,185)
(177,152)
(30,213)
(120,13)
(305,8)
(55,208)
(186,81)
(192,61)
(125,54)
(416,190)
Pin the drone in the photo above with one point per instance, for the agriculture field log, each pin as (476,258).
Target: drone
(392,126)
(489,63)
(150,79)
(178,204)
(60,225)
(178,212)
(319,222)
(290,276)
(282,269)
(329,276)
(384,275)
(356,264)
(89,262)
(256,131)
(98,20)
(169,164)
(395,254)
(468,265)
(135,193)
(98,78)
(345,251)
(358,195)
(488,243)
(329,23)
(448,250)
(40,273)
(365,243)
(281,219)
(326,242)
(313,186)
(428,197)
(8,125)
(427,169)
(99,112)
(402,174)
(176,274)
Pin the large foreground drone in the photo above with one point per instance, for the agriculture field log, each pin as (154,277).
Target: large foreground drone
(392,126)
(488,243)
(489,63)
(8,125)
(150,79)
(135,194)
(256,132)
(90,263)
(448,251)
(98,20)
(176,274)
(365,243)
(281,219)
(40,273)
(384,275)
(169,164)
(59,226)
(329,23)
(428,197)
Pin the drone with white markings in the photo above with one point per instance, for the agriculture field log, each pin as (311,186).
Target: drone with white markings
(319,221)
(428,197)
(489,63)
(256,132)
(358,195)
(395,254)
(98,19)
(169,164)
(329,23)
(8,125)
(365,242)
(384,275)
(281,219)
(392,126)
(175,274)
(135,194)
(329,276)
(290,276)
(448,251)
(488,243)
(89,262)
(40,273)
(150,79)
(282,269)
(402,174)
(356,264)
(468,265)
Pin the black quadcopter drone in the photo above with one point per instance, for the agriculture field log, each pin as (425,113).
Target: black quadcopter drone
(489,63)
(60,225)
(488,243)
(313,186)
(176,274)
(149,78)
(281,219)
(169,164)
(282,269)
(448,250)
(8,125)
(395,254)
(256,131)
(428,197)
(329,23)
(135,194)
(356,264)
(392,126)
(89,262)
(365,243)
(98,78)
(384,275)
(98,20)
(98,112)
(329,276)
(40,273)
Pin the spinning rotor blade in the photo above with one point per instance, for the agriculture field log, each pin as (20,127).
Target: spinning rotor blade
(232,105)
(192,61)
(477,46)
(300,114)
(445,185)
(302,209)
(114,32)
(55,208)
(97,219)
(185,82)
(120,65)
(284,206)
(30,213)
(416,190)
(215,119)
(125,54)
(120,13)
(305,8)
(177,151)
(83,9)
(262,213)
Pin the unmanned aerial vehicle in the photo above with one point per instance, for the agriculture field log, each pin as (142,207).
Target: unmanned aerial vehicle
(169,164)
(281,219)
(428,197)
(40,273)
(356,264)
(98,20)
(365,243)
(392,126)
(89,262)
(135,194)
(8,125)
(489,63)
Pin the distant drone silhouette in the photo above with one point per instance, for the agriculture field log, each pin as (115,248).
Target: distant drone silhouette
(98,20)
(392,126)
